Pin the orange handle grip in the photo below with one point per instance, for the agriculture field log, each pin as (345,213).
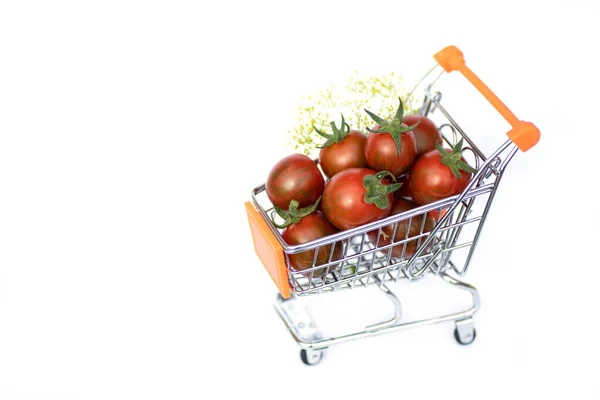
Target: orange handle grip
(524,134)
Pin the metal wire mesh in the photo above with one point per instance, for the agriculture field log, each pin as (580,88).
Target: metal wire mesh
(390,250)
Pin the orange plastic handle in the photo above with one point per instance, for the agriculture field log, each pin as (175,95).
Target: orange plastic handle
(524,134)
(268,249)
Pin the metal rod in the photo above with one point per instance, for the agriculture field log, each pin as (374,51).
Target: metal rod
(373,225)
(321,344)
(397,309)
(478,232)
(459,129)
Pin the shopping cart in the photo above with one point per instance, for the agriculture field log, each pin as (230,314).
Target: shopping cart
(366,262)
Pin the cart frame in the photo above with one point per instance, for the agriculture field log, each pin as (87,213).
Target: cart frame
(364,261)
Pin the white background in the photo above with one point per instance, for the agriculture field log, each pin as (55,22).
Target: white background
(133,132)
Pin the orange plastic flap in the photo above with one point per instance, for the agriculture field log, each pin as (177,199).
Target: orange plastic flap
(268,249)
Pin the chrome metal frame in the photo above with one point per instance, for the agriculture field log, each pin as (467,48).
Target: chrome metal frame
(364,263)
(306,333)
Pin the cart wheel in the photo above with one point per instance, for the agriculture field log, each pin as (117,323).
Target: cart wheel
(470,337)
(311,357)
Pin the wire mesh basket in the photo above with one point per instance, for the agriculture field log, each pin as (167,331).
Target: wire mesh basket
(436,238)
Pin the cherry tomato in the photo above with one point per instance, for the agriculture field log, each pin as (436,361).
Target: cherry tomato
(403,230)
(439,174)
(294,177)
(426,133)
(312,227)
(381,152)
(344,200)
(349,153)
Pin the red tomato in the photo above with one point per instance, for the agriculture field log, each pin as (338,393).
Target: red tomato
(349,153)
(381,152)
(346,194)
(312,227)
(426,133)
(391,145)
(434,214)
(432,178)
(294,177)
(403,231)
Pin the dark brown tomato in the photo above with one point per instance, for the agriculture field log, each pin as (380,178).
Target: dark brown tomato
(382,155)
(344,200)
(426,133)
(295,177)
(430,180)
(312,227)
(403,192)
(349,153)
(403,231)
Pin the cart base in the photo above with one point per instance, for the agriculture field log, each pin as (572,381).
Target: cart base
(311,341)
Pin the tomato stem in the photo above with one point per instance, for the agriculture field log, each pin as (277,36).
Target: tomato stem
(376,192)
(338,134)
(453,159)
(395,127)
(294,215)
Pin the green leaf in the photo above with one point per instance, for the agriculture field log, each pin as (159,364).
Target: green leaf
(393,187)
(453,160)
(465,167)
(382,202)
(398,140)
(293,208)
(454,169)
(440,148)
(376,192)
(287,221)
(394,127)
(322,134)
(458,146)
(382,174)
(294,215)
(343,124)
(338,134)
(282,213)
(327,143)
(371,198)
(410,128)
(377,131)
(400,112)
(370,183)
(376,118)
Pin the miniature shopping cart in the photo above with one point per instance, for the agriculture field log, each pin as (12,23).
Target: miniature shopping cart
(444,251)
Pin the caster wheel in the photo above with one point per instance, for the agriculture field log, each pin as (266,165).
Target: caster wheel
(311,357)
(466,339)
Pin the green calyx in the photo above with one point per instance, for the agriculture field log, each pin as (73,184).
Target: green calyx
(453,160)
(376,191)
(294,215)
(395,127)
(338,134)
